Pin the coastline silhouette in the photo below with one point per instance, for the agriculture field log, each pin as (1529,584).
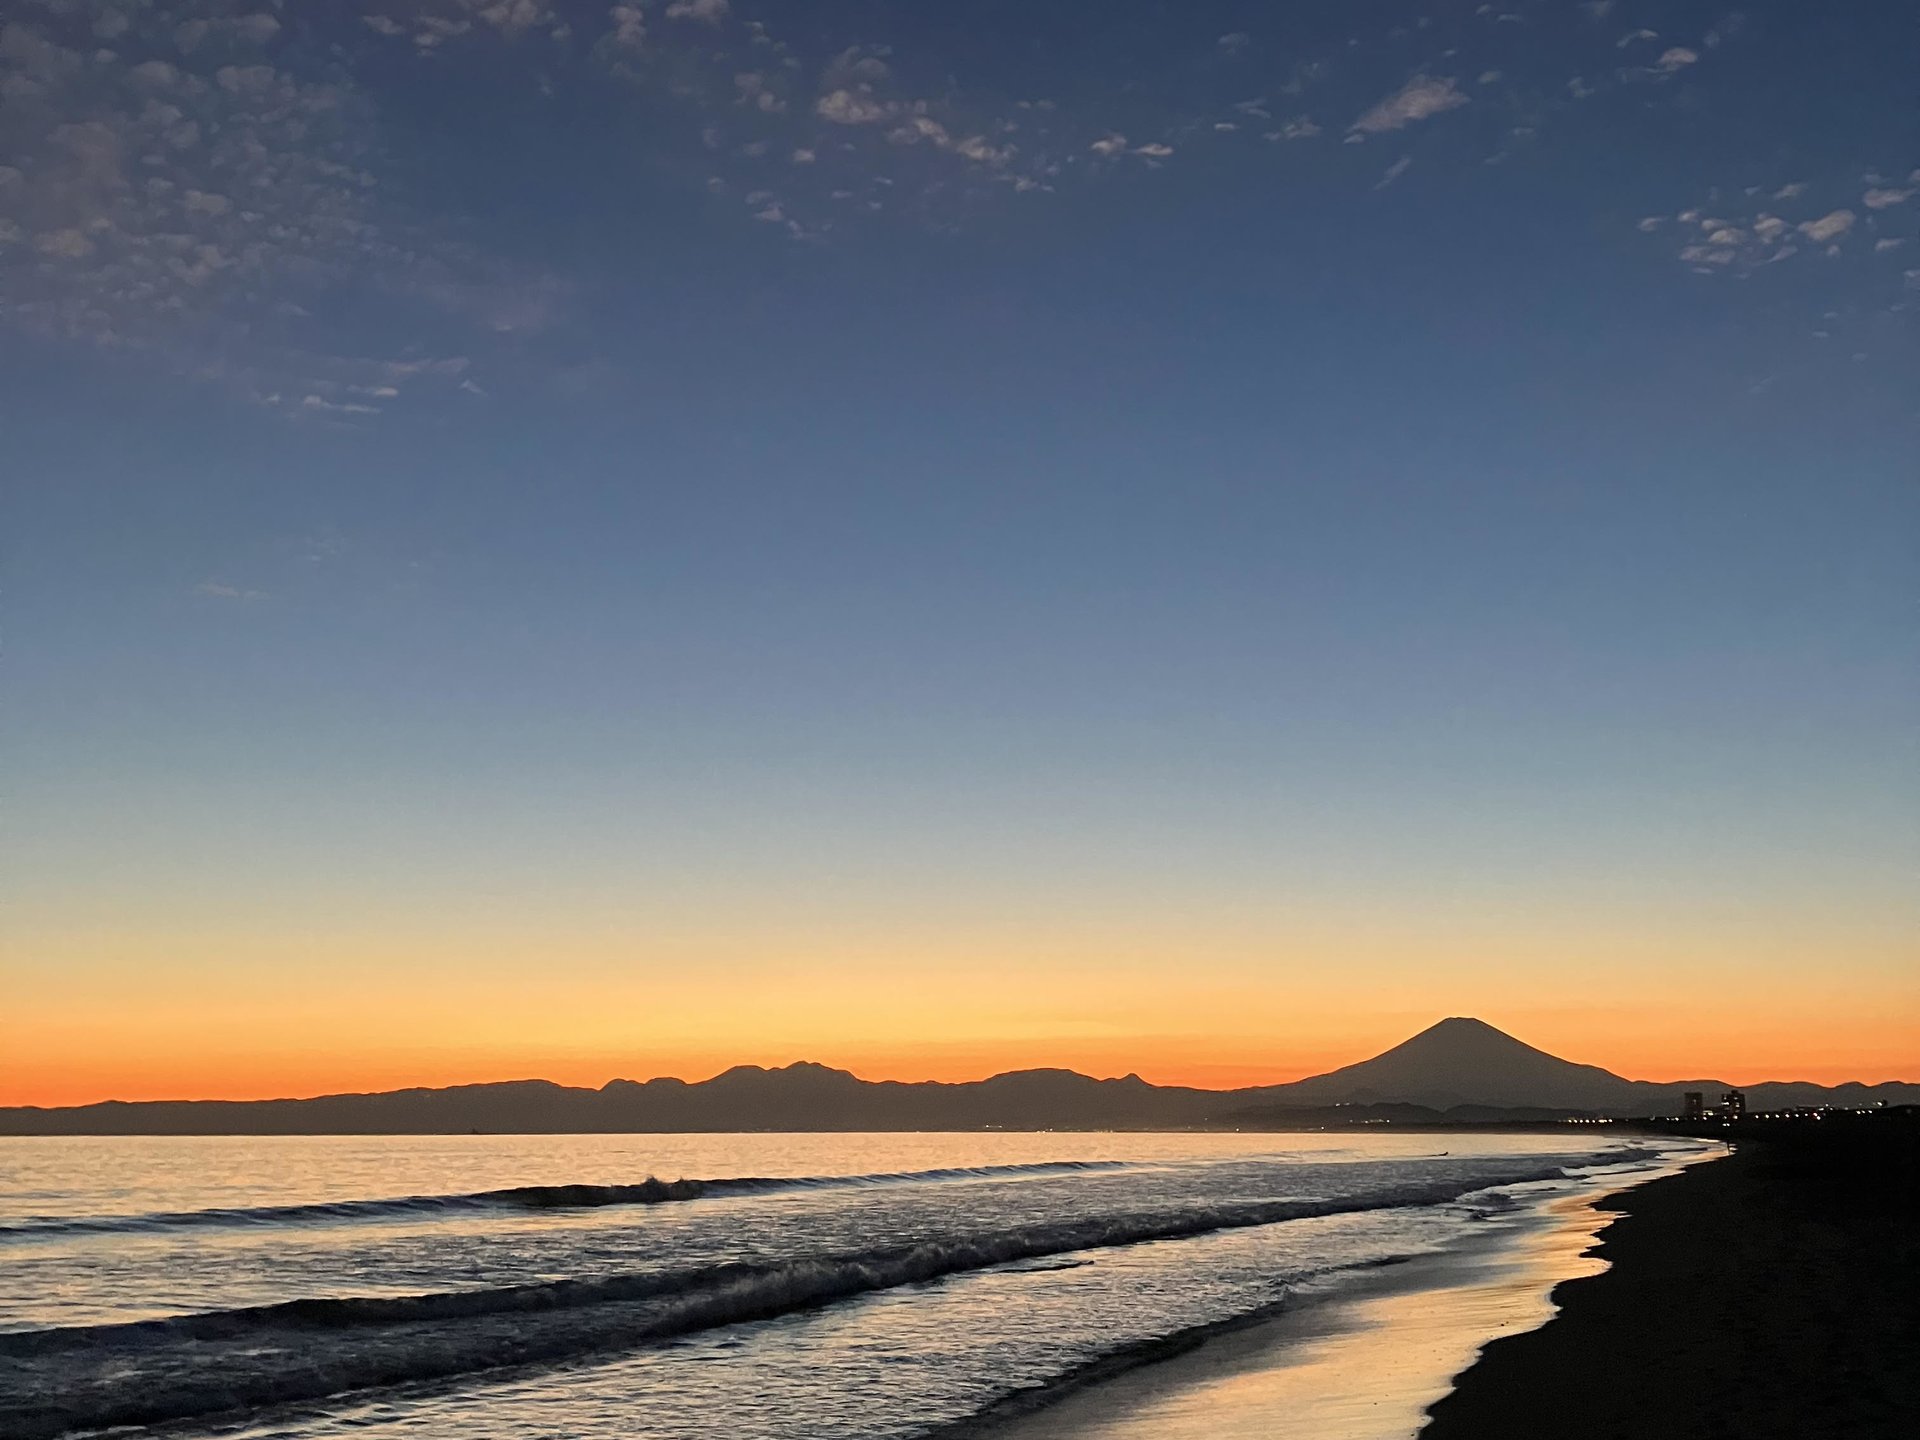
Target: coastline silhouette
(1459,1071)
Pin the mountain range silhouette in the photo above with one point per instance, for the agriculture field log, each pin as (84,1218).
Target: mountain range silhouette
(1459,1070)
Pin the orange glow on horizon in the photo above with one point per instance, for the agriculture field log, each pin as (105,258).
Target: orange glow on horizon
(194,1014)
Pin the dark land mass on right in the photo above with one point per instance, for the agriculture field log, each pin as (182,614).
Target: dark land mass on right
(1775,1293)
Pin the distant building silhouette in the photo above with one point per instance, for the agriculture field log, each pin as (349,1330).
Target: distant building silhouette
(1733,1104)
(1694,1106)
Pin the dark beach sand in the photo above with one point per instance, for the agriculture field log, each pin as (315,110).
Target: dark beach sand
(1772,1294)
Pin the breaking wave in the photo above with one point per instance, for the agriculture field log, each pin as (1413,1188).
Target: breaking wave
(149,1372)
(650,1191)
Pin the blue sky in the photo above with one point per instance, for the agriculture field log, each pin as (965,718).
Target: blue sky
(1419,496)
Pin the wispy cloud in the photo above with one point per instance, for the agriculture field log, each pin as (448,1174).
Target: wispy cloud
(1419,99)
(220,590)
(1394,172)
(710,12)
(851,107)
(1830,226)
(1301,127)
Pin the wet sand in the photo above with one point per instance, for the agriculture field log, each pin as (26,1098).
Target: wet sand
(1776,1294)
(1770,1295)
(1361,1365)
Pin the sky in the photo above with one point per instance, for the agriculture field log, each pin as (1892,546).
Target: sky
(585,541)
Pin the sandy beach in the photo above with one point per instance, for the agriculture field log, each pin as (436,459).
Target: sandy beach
(1776,1294)
(1772,1293)
(1360,1362)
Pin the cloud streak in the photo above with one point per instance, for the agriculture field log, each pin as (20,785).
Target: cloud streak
(1421,98)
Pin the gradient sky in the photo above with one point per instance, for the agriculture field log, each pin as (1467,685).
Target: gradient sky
(584,541)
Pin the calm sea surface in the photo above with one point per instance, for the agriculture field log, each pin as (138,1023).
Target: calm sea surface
(859,1286)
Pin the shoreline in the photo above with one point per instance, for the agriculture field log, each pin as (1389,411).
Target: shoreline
(1362,1359)
(1770,1293)
(1775,1293)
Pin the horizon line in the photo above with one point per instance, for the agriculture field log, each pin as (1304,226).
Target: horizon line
(1133,1075)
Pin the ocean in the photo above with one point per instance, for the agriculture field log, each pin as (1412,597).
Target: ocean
(872,1287)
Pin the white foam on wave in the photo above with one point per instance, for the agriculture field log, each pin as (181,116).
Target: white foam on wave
(58,1381)
(650,1191)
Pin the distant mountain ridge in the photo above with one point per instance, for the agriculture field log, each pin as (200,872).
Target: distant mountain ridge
(1458,1070)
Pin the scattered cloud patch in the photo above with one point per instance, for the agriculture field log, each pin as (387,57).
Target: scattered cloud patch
(188,196)
(1419,99)
(628,30)
(710,12)
(1830,226)
(215,182)
(849,107)
(1301,127)
(1747,244)
(1730,25)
